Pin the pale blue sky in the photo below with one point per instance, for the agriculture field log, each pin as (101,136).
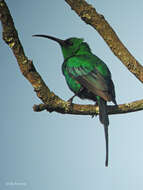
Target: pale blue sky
(66,152)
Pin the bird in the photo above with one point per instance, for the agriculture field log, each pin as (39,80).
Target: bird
(87,76)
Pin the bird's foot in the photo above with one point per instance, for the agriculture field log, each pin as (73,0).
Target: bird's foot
(70,101)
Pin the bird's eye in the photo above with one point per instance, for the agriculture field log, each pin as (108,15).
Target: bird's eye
(69,42)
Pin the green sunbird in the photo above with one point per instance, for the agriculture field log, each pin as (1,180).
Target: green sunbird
(87,76)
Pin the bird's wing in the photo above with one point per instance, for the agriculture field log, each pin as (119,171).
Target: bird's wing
(89,77)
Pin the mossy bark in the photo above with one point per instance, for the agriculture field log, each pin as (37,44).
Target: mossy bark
(52,102)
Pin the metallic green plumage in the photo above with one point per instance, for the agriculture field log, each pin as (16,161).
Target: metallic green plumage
(87,76)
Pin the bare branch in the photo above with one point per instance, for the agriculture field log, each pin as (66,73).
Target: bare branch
(97,21)
(10,36)
(51,101)
(91,109)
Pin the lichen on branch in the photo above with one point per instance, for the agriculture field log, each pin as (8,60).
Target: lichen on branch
(89,15)
(51,102)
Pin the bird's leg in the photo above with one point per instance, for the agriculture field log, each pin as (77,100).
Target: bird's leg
(71,99)
(76,94)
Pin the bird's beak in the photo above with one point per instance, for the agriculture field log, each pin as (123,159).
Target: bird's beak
(61,42)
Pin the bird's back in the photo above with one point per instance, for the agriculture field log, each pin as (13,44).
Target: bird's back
(88,71)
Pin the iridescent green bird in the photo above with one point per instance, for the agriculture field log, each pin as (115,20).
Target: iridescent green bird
(87,76)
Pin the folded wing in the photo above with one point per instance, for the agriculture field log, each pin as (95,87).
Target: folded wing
(90,78)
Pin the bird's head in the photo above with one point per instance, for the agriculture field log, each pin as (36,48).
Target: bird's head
(69,46)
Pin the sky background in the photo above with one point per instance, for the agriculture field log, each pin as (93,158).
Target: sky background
(51,151)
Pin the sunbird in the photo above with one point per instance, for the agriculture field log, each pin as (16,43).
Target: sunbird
(87,76)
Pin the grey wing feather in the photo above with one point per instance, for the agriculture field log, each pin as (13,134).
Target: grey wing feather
(92,80)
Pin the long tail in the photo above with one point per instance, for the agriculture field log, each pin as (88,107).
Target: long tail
(103,116)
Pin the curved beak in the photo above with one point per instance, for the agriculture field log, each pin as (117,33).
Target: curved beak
(61,42)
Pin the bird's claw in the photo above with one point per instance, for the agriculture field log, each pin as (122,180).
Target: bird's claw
(93,115)
(70,102)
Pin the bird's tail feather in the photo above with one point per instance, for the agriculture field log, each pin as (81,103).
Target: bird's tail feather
(107,146)
(103,116)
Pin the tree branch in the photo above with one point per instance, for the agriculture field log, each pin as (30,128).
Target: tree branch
(51,101)
(97,21)
(91,109)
